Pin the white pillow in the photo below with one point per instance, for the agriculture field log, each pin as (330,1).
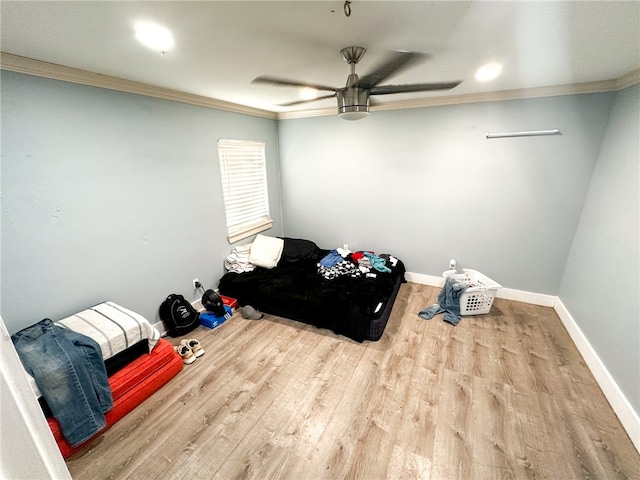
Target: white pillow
(266,251)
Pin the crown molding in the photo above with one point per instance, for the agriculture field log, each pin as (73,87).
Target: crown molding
(39,68)
(516,94)
(318,112)
(626,80)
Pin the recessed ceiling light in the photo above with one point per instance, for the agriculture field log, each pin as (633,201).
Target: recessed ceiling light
(154,36)
(488,72)
(308,93)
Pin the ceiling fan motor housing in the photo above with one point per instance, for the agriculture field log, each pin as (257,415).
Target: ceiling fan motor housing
(353,100)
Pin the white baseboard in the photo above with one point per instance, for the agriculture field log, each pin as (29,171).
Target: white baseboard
(424,279)
(621,406)
(541,299)
(506,293)
(626,414)
(197,304)
(160,327)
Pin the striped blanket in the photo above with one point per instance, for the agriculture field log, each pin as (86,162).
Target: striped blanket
(114,327)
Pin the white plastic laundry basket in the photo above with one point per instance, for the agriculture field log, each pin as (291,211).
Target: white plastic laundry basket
(478,298)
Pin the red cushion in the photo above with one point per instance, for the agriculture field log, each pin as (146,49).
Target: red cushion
(130,387)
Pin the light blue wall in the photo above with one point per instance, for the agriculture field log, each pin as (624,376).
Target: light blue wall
(107,195)
(425,184)
(111,196)
(601,283)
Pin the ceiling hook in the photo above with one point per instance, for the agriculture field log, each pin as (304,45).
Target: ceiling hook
(347,8)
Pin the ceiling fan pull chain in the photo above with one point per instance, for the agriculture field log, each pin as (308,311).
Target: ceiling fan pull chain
(347,8)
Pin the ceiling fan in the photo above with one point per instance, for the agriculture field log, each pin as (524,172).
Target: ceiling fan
(353,98)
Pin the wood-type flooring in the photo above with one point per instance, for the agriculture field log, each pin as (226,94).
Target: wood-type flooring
(499,396)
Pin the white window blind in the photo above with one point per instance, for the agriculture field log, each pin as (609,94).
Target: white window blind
(244,186)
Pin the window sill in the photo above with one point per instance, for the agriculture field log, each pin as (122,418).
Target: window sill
(250,231)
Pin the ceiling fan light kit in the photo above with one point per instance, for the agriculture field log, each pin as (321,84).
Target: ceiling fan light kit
(354,113)
(353,98)
(353,103)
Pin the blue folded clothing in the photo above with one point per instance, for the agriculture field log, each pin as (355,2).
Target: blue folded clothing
(331,259)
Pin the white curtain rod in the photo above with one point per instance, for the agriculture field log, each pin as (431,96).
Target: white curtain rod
(531,133)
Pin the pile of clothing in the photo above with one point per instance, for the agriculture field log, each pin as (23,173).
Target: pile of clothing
(238,260)
(341,262)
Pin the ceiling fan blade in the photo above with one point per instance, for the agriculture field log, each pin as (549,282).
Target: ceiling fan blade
(290,83)
(395,63)
(415,87)
(298,102)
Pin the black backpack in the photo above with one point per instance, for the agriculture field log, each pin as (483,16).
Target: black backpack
(178,315)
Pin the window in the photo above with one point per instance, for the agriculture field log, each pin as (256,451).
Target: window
(244,186)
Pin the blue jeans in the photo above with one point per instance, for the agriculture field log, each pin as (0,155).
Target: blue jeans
(70,373)
(448,302)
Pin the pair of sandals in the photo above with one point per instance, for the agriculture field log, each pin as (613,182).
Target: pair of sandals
(189,349)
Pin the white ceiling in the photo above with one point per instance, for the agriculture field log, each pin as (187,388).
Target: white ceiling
(220,47)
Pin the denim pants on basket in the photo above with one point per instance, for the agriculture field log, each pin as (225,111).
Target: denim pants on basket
(70,373)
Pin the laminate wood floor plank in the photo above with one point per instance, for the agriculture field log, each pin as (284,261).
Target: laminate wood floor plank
(452,455)
(499,396)
(315,406)
(374,430)
(338,443)
(405,465)
(495,443)
(416,429)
